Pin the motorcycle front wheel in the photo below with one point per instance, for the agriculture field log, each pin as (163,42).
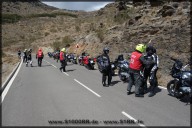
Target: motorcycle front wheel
(171,89)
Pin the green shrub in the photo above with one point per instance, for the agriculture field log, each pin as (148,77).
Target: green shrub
(66,41)
(92,27)
(46,33)
(53,30)
(122,16)
(10,18)
(100,34)
(77,28)
(51,15)
(56,45)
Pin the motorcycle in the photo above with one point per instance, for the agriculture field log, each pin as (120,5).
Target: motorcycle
(80,60)
(181,85)
(74,60)
(50,54)
(123,70)
(113,68)
(89,63)
(69,58)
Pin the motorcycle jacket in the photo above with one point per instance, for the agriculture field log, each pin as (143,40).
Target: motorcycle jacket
(149,58)
(156,60)
(135,62)
(29,57)
(40,54)
(62,56)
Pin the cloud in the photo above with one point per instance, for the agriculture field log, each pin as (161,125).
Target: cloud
(86,6)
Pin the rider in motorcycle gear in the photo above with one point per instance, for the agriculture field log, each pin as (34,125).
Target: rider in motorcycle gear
(63,59)
(107,71)
(150,70)
(29,57)
(136,70)
(39,56)
(25,55)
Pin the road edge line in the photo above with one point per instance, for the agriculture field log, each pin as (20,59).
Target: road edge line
(6,87)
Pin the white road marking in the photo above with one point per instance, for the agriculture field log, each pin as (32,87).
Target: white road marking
(66,73)
(4,93)
(47,61)
(130,117)
(87,88)
(54,66)
(50,64)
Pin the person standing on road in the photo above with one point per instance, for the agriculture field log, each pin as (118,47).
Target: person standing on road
(29,57)
(19,54)
(105,66)
(25,56)
(39,56)
(62,60)
(137,62)
(151,70)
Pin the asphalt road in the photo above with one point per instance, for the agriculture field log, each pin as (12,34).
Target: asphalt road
(44,96)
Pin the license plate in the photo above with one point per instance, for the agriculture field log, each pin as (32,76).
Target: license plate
(112,66)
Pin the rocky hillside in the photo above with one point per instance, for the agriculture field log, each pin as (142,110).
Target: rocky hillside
(120,27)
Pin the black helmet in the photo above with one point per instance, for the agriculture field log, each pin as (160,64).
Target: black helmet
(178,64)
(106,50)
(150,50)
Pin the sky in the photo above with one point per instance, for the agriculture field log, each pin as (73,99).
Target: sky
(86,6)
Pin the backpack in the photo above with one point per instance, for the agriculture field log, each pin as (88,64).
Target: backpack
(103,63)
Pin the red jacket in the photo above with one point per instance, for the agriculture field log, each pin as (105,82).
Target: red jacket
(135,62)
(61,56)
(40,53)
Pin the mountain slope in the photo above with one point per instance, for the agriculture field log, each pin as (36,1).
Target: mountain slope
(166,24)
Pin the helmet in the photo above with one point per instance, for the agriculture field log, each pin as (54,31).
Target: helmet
(150,50)
(106,50)
(63,49)
(178,64)
(140,47)
(29,50)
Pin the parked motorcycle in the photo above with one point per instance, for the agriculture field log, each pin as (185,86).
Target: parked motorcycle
(123,70)
(74,60)
(80,60)
(181,85)
(50,54)
(89,63)
(113,68)
(56,55)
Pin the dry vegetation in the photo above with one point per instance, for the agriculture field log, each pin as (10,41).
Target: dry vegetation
(44,26)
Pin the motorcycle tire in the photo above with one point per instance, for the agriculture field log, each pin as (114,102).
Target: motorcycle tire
(92,67)
(171,89)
